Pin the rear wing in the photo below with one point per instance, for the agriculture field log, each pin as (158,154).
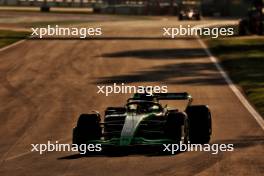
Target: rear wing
(173,96)
(162,96)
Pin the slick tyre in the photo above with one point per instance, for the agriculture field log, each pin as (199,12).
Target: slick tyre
(242,28)
(88,128)
(175,125)
(180,17)
(200,125)
(198,17)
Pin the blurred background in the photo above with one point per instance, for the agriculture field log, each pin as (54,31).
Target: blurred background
(142,7)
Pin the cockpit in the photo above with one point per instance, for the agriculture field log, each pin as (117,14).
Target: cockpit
(143,107)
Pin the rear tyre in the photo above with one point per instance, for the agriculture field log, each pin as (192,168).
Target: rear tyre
(175,126)
(242,28)
(88,128)
(198,17)
(200,124)
(180,17)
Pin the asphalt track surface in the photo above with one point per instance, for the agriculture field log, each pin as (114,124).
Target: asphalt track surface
(46,84)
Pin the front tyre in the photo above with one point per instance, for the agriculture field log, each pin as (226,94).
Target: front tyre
(200,124)
(198,17)
(88,128)
(180,17)
(242,28)
(176,126)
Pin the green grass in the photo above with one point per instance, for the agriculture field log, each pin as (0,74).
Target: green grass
(9,37)
(63,10)
(243,59)
(52,23)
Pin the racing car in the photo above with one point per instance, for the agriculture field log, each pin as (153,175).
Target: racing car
(189,10)
(144,121)
(189,14)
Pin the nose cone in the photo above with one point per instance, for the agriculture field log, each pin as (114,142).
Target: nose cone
(130,126)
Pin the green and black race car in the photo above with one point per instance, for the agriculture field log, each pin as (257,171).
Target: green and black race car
(143,121)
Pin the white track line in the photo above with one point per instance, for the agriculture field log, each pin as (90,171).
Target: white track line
(12,45)
(3,49)
(230,83)
(18,156)
(29,152)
